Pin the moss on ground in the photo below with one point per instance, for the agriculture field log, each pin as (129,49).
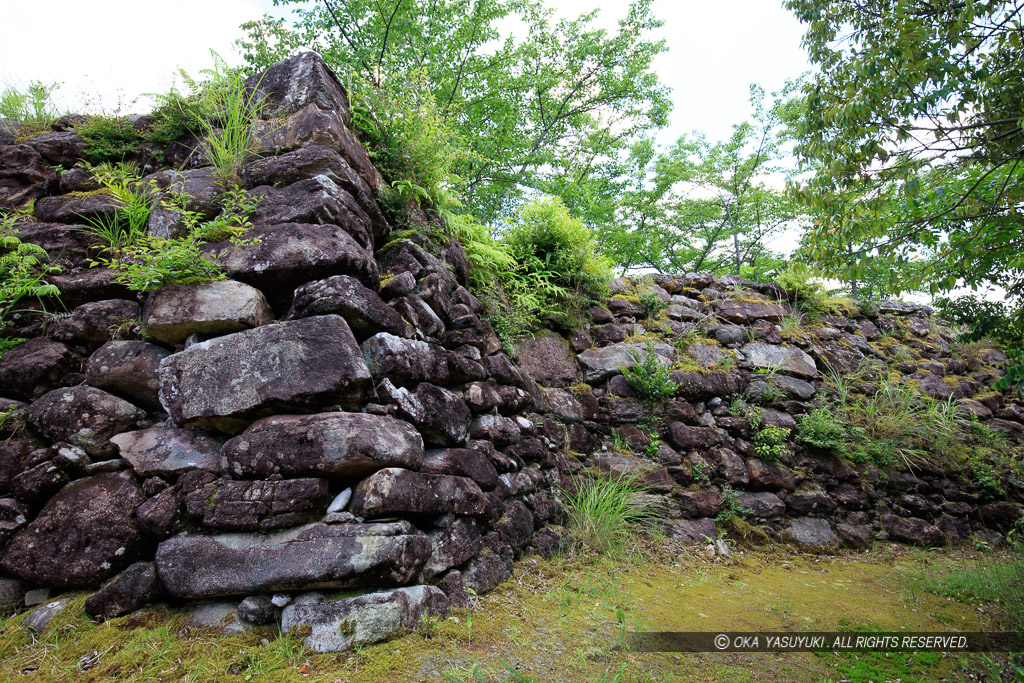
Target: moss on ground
(556,619)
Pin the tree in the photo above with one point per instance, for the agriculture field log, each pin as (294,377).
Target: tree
(700,205)
(912,128)
(524,103)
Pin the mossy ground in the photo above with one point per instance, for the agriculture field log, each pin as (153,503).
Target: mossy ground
(560,620)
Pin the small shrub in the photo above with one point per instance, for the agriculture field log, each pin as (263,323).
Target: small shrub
(156,262)
(648,376)
(110,139)
(653,304)
(770,442)
(822,429)
(29,112)
(557,255)
(700,474)
(982,319)
(602,513)
(805,285)
(731,506)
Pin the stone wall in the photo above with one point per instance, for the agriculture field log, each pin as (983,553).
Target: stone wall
(337,415)
(724,341)
(334,416)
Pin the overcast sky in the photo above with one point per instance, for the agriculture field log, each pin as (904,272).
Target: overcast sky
(113,51)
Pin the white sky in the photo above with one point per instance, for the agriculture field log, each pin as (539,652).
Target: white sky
(116,50)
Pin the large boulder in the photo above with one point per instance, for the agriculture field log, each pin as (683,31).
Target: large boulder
(405,362)
(785,359)
(31,369)
(125,593)
(812,533)
(311,162)
(462,462)
(325,444)
(746,312)
(699,386)
(337,625)
(362,308)
(84,534)
(546,358)
(77,209)
(395,491)
(227,382)
(289,255)
(314,200)
(912,530)
(440,416)
(250,505)
(174,313)
(201,190)
(24,175)
(130,369)
(309,557)
(86,417)
(168,451)
(290,85)
(95,323)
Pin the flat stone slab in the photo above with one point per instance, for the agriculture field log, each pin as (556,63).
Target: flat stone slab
(338,625)
(176,312)
(325,444)
(396,491)
(310,557)
(786,359)
(227,382)
(162,451)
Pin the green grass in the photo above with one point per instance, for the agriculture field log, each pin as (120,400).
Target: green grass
(30,111)
(229,138)
(602,513)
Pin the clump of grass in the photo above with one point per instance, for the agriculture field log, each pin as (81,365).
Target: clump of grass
(602,512)
(128,226)
(30,111)
(229,136)
(896,424)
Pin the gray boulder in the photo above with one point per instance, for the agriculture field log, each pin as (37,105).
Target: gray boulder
(310,557)
(168,451)
(325,444)
(84,534)
(406,362)
(86,417)
(128,368)
(338,625)
(363,310)
(785,359)
(546,358)
(396,491)
(226,382)
(600,364)
(289,255)
(174,313)
(440,416)
(812,533)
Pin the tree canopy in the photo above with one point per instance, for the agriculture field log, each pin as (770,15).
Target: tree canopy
(527,95)
(913,131)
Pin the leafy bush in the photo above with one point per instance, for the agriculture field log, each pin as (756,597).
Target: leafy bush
(652,303)
(995,320)
(648,376)
(415,147)
(601,513)
(110,139)
(22,270)
(821,428)
(770,442)
(156,262)
(29,112)
(805,285)
(557,255)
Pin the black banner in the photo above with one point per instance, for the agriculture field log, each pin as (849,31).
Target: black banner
(825,641)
